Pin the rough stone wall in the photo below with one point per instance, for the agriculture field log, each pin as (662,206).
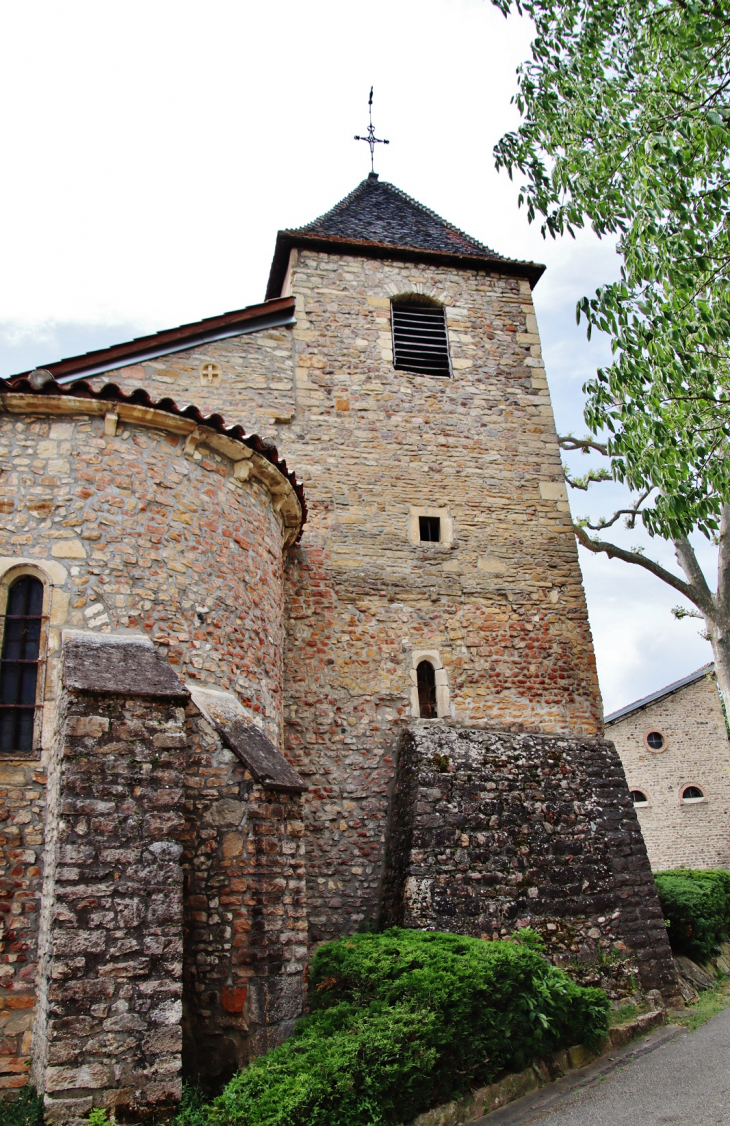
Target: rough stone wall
(22,809)
(109,1032)
(256,379)
(245,910)
(680,834)
(503,604)
(492,831)
(148,535)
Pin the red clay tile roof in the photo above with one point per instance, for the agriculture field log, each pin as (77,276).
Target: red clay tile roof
(379,220)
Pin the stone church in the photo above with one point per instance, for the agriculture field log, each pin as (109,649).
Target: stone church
(249,704)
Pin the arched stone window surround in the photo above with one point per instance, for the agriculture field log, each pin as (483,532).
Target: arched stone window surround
(55,608)
(443,698)
(644,790)
(429,298)
(691,801)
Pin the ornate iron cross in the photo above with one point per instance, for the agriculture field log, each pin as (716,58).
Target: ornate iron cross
(371,139)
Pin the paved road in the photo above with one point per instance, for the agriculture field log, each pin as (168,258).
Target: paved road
(685,1082)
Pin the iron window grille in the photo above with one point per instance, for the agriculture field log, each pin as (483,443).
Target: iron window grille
(22,662)
(420,343)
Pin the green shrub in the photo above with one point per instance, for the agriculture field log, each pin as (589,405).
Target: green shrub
(404,1020)
(24,1110)
(696,908)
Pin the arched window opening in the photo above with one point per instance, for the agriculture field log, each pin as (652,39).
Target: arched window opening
(426,679)
(638,797)
(692,793)
(21,652)
(420,343)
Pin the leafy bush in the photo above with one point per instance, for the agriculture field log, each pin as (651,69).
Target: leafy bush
(24,1110)
(404,1020)
(696,908)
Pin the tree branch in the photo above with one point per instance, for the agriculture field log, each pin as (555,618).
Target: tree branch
(568,442)
(614,552)
(632,513)
(703,597)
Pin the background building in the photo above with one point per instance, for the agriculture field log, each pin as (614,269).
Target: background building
(675,751)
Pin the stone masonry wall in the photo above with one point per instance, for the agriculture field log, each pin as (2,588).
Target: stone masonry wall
(245,910)
(502,605)
(257,379)
(109,1031)
(22,809)
(494,831)
(149,537)
(696,752)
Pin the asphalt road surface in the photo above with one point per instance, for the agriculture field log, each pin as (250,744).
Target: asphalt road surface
(685,1081)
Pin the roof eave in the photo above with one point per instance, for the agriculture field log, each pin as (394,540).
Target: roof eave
(288,240)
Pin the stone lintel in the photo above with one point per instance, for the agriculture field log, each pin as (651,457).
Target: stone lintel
(268,766)
(119,664)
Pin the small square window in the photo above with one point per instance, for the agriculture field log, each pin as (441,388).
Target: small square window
(430,529)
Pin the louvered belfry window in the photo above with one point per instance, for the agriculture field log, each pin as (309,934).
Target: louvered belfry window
(420,343)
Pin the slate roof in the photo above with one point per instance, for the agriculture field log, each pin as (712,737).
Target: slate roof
(654,696)
(379,220)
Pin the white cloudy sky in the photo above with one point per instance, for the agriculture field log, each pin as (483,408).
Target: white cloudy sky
(152,148)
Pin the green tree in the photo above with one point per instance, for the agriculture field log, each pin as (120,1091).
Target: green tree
(626,128)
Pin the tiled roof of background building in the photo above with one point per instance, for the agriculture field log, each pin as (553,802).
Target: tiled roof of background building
(377,218)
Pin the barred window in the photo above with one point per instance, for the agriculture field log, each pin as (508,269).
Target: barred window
(19,663)
(420,343)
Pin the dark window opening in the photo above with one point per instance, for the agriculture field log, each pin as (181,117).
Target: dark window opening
(426,677)
(19,663)
(420,343)
(692,793)
(639,798)
(430,529)
(655,740)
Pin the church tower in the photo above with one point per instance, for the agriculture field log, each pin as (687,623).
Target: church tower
(438,580)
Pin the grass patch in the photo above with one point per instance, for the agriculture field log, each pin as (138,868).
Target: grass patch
(624,1013)
(710,1003)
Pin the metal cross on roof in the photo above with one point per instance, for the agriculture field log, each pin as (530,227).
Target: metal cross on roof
(371,139)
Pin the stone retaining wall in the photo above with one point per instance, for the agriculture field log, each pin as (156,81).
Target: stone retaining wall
(492,831)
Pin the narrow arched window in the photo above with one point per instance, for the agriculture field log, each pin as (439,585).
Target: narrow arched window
(420,343)
(426,680)
(21,652)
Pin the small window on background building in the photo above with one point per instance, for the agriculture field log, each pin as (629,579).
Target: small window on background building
(655,741)
(430,529)
(692,793)
(638,797)
(426,680)
(21,652)
(420,343)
